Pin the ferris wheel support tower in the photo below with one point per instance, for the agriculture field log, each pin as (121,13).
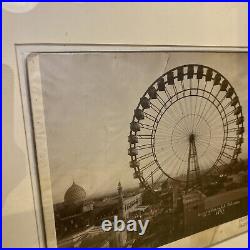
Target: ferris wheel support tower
(193,164)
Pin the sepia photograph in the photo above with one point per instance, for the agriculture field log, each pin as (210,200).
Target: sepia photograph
(139,148)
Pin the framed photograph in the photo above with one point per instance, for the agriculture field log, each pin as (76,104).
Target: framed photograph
(136,146)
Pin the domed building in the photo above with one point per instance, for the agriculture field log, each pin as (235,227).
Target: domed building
(75,213)
(74,195)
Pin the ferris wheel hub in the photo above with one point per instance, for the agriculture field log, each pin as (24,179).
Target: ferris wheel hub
(191,138)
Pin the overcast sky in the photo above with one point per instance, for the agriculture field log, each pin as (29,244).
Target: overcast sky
(89,101)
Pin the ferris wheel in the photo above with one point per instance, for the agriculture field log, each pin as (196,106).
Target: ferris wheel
(187,125)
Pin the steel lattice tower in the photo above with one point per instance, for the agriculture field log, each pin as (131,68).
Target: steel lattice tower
(193,165)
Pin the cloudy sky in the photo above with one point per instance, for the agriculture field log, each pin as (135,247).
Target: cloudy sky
(89,100)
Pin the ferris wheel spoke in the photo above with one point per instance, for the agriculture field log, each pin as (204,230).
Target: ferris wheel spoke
(214,114)
(212,136)
(149,116)
(198,112)
(145,156)
(209,149)
(220,161)
(167,160)
(203,131)
(183,109)
(232,121)
(144,136)
(185,103)
(151,174)
(208,131)
(170,157)
(180,139)
(179,103)
(171,163)
(216,124)
(175,115)
(186,123)
(195,106)
(168,122)
(190,86)
(210,113)
(160,100)
(226,155)
(150,164)
(183,88)
(232,138)
(146,126)
(204,108)
(205,87)
(200,115)
(175,91)
(236,111)
(210,101)
(210,140)
(164,142)
(167,94)
(190,100)
(163,152)
(210,159)
(162,148)
(161,137)
(175,125)
(207,142)
(165,156)
(230,147)
(165,136)
(182,129)
(181,162)
(210,144)
(198,86)
(175,163)
(208,162)
(176,110)
(158,179)
(204,163)
(154,108)
(143,147)
(219,156)
(170,118)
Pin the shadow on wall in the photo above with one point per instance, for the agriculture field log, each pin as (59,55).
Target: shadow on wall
(13,161)
(15,226)
(18,226)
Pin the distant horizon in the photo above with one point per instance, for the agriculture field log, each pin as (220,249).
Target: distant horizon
(125,189)
(100,196)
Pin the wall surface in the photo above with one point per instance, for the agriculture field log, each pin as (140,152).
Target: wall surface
(206,24)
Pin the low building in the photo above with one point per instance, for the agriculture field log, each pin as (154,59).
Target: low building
(131,204)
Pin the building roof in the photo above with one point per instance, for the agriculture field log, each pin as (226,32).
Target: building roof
(74,194)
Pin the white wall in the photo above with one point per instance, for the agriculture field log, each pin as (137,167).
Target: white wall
(208,24)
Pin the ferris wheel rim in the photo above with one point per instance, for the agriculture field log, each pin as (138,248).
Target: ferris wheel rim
(141,178)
